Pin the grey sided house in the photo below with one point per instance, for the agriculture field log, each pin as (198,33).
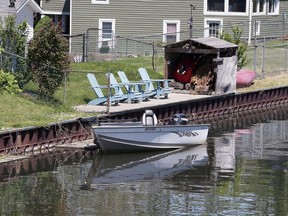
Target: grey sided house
(168,21)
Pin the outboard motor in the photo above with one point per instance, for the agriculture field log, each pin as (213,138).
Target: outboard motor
(179,119)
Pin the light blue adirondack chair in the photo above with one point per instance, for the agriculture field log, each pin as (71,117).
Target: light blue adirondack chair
(162,87)
(129,96)
(101,99)
(132,86)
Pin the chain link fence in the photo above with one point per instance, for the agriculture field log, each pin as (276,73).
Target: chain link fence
(268,59)
(268,54)
(93,46)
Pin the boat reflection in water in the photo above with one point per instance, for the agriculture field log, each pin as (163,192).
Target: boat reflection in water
(120,168)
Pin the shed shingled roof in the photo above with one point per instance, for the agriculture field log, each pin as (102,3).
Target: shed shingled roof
(211,42)
(215,42)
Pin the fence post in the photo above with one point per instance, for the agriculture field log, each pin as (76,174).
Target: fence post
(65,85)
(283,23)
(126,47)
(84,47)
(109,93)
(285,66)
(153,56)
(255,56)
(114,43)
(263,59)
(255,47)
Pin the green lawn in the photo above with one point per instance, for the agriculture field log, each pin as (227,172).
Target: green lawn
(25,111)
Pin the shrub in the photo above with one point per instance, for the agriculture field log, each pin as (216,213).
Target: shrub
(8,83)
(13,42)
(44,21)
(242,46)
(48,59)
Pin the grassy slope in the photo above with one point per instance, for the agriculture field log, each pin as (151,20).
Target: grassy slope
(20,111)
(24,111)
(267,82)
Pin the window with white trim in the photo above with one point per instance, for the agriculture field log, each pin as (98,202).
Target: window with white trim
(212,27)
(259,7)
(171,31)
(226,7)
(106,32)
(100,1)
(273,7)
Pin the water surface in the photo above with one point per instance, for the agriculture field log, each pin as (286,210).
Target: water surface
(243,170)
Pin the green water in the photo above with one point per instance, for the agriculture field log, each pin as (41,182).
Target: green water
(241,171)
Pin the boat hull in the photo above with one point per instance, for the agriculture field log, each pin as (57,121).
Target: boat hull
(245,78)
(114,139)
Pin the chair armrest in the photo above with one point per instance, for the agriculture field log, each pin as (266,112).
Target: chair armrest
(103,86)
(162,80)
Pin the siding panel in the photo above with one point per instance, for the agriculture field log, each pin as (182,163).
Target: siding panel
(58,6)
(145,17)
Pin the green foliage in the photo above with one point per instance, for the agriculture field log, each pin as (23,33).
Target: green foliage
(48,59)
(243,59)
(44,21)
(13,41)
(8,83)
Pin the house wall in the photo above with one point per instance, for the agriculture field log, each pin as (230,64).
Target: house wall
(132,18)
(273,25)
(5,10)
(26,14)
(56,7)
(142,18)
(270,25)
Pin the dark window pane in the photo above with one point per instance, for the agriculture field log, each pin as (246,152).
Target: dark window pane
(261,5)
(107,30)
(255,3)
(237,6)
(170,38)
(216,5)
(272,6)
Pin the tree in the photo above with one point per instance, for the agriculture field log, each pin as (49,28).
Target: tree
(242,46)
(13,41)
(48,58)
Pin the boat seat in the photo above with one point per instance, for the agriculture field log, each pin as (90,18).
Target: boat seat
(149,118)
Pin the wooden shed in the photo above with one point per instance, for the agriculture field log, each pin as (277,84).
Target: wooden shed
(203,64)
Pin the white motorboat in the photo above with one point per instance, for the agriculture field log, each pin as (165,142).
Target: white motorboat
(149,135)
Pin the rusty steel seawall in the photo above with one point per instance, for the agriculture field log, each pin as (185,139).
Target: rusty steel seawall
(18,141)
(203,108)
(24,140)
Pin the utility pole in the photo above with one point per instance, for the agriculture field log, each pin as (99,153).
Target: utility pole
(191,20)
